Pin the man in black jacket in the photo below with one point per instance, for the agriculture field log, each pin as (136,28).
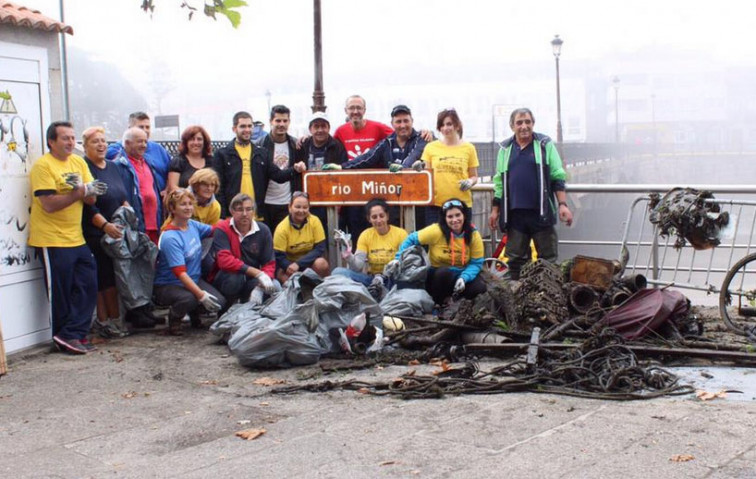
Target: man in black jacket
(320,149)
(246,168)
(281,150)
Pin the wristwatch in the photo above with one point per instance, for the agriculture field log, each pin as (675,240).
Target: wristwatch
(563,203)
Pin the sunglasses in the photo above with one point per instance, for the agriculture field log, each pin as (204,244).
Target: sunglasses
(300,194)
(452,204)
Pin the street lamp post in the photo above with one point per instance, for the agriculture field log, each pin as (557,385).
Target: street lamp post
(318,96)
(556,47)
(616,82)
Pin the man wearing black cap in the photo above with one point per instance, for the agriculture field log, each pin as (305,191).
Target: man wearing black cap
(319,149)
(400,149)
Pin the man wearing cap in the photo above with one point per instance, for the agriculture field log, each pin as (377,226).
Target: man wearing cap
(319,149)
(529,177)
(400,149)
(245,168)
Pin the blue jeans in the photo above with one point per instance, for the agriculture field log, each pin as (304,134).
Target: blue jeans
(363,278)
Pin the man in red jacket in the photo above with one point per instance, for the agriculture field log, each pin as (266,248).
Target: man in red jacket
(242,249)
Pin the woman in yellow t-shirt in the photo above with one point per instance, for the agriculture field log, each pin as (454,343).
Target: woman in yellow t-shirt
(455,248)
(299,241)
(204,184)
(376,246)
(454,163)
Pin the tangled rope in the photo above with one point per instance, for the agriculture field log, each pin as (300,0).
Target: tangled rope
(602,368)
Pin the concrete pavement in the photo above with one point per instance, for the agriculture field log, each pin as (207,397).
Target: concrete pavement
(157,406)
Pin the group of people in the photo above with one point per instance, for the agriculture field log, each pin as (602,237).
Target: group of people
(234,224)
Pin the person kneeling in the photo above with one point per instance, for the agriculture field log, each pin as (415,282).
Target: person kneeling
(299,241)
(242,250)
(456,254)
(177,279)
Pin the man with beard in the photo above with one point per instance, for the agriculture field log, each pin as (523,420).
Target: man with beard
(245,168)
(282,151)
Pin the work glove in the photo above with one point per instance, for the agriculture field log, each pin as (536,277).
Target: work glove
(72,179)
(391,268)
(330,166)
(377,280)
(266,283)
(345,241)
(419,165)
(256,296)
(465,184)
(95,188)
(459,286)
(210,302)
(395,167)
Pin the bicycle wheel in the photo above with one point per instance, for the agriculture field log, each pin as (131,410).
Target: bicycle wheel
(737,299)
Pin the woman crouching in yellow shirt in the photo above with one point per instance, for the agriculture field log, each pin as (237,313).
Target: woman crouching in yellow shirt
(299,241)
(375,247)
(455,248)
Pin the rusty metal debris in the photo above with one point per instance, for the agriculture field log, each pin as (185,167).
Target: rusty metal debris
(690,215)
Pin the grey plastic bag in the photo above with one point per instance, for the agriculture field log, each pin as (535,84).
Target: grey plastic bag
(413,267)
(134,258)
(407,302)
(266,343)
(236,315)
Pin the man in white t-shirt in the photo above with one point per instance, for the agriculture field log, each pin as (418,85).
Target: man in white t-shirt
(283,153)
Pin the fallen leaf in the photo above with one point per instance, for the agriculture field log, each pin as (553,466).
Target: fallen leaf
(250,434)
(682,458)
(117,357)
(264,403)
(266,381)
(414,362)
(708,396)
(129,395)
(363,390)
(147,394)
(243,422)
(387,463)
(380,368)
(444,365)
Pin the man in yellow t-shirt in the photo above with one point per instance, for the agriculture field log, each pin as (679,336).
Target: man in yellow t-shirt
(61,184)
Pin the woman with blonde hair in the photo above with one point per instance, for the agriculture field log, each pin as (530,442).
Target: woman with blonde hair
(204,183)
(177,281)
(96,223)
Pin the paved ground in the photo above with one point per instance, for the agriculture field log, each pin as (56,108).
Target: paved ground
(154,406)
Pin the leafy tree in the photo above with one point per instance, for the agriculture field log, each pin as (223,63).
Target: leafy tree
(210,8)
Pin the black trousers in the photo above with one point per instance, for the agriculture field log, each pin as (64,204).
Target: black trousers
(523,226)
(440,285)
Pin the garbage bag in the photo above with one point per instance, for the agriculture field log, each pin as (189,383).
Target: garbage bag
(337,300)
(413,267)
(407,302)
(134,257)
(237,314)
(268,343)
(298,289)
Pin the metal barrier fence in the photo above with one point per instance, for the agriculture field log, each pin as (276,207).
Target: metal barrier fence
(627,226)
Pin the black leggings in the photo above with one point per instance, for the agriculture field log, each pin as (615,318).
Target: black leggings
(440,285)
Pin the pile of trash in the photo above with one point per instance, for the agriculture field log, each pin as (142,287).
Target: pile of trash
(690,215)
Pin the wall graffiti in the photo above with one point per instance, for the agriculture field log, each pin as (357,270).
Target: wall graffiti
(20,144)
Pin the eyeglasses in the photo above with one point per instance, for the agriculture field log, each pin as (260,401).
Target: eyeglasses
(452,204)
(300,194)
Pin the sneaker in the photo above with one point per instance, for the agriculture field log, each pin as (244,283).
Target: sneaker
(141,321)
(89,347)
(108,330)
(72,346)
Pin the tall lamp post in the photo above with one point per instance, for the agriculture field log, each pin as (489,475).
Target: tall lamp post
(318,96)
(616,82)
(556,47)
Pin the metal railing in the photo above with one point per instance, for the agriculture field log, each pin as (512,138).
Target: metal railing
(650,255)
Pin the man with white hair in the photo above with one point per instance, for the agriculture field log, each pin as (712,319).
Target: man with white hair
(157,156)
(141,183)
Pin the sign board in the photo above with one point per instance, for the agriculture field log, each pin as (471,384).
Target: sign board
(357,187)
(167,121)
